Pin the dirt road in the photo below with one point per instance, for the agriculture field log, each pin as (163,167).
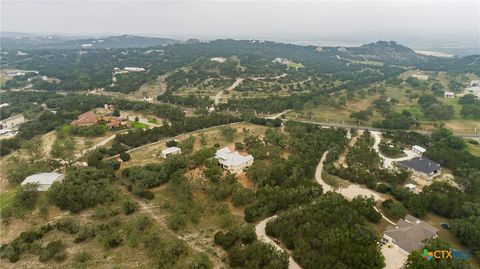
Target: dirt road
(218,96)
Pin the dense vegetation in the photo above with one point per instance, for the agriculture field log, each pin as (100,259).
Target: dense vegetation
(328,233)
(285,183)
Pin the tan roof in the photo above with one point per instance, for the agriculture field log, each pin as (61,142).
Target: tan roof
(410,233)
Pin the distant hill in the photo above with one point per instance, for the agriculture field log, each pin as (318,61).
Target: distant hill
(383,51)
(63,42)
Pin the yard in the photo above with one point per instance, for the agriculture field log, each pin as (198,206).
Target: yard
(212,136)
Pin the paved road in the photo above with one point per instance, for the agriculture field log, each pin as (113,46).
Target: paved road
(261,235)
(218,96)
(348,126)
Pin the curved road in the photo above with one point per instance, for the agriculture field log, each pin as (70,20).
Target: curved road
(350,192)
(261,235)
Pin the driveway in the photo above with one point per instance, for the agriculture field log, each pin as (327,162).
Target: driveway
(261,235)
(350,192)
(387,162)
(394,258)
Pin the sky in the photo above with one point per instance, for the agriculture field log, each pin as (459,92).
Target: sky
(275,20)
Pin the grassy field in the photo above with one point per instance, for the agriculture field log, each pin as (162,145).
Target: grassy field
(295,65)
(150,154)
(474,149)
(150,89)
(367,62)
(138,125)
(328,113)
(446,235)
(3,79)
(6,198)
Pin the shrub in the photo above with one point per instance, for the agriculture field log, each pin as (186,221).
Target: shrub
(86,232)
(129,207)
(124,156)
(226,240)
(473,142)
(239,146)
(110,239)
(68,226)
(82,257)
(147,195)
(54,249)
(394,209)
(176,221)
(172,143)
(382,188)
(142,223)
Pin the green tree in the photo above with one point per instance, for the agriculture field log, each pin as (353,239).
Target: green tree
(64,149)
(228,132)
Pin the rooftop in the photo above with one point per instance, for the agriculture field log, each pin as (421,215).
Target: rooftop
(418,148)
(43,178)
(170,150)
(421,165)
(410,233)
(230,157)
(410,186)
(87,117)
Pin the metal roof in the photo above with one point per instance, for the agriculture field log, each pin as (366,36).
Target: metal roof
(43,178)
(228,157)
(418,148)
(421,165)
(171,150)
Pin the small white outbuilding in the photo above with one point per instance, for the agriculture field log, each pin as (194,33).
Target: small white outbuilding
(43,180)
(418,150)
(411,187)
(449,95)
(170,151)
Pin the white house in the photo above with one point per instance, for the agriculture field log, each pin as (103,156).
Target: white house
(449,95)
(44,180)
(418,150)
(134,69)
(411,187)
(170,151)
(420,76)
(232,160)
